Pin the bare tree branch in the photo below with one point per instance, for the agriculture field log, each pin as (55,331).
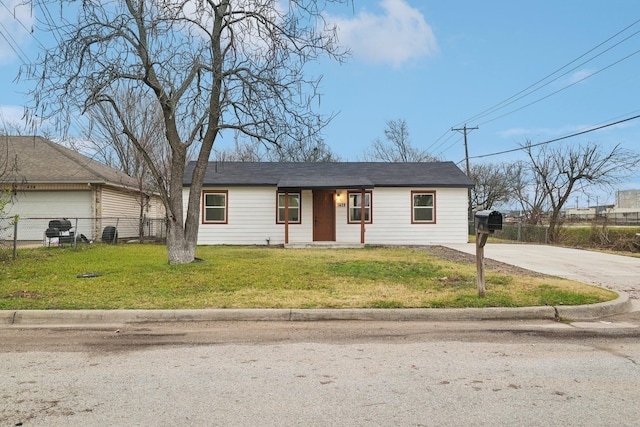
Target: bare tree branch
(558,171)
(397,147)
(208,65)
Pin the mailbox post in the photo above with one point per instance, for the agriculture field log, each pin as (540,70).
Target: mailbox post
(486,221)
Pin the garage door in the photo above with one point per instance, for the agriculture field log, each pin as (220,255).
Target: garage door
(36,209)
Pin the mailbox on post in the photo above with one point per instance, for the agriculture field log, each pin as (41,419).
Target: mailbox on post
(488,221)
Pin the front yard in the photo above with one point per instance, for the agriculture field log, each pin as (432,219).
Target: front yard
(137,276)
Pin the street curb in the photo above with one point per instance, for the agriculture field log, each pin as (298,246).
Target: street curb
(596,311)
(117,317)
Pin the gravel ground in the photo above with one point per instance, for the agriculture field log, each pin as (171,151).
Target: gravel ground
(489,264)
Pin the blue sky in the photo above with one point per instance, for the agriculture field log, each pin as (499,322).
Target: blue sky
(439,64)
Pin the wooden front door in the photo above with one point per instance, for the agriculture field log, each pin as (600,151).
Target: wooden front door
(324,216)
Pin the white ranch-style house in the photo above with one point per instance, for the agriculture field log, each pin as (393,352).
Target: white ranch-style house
(348,203)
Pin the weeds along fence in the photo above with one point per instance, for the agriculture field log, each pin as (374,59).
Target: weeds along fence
(43,231)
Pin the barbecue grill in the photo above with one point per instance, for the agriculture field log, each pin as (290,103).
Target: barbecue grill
(59,233)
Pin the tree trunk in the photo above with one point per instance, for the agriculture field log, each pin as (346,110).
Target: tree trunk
(182,235)
(181,246)
(180,250)
(554,223)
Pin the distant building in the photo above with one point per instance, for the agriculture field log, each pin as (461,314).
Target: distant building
(628,199)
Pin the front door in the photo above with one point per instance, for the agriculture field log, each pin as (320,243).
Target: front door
(324,216)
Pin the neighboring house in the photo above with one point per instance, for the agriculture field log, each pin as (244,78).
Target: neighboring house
(48,181)
(303,203)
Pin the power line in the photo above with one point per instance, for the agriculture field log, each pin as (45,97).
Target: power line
(553,140)
(563,88)
(506,102)
(15,46)
(536,86)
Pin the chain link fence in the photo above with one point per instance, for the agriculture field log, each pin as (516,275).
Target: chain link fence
(610,218)
(519,232)
(42,231)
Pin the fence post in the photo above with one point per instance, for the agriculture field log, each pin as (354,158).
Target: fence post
(15,239)
(75,235)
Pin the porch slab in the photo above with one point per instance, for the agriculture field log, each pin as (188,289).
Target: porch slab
(323,245)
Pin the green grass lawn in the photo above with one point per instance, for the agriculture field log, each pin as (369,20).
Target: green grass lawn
(138,276)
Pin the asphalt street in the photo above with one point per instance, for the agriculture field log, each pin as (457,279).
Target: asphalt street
(494,373)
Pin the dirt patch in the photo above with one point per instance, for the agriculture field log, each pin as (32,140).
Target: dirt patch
(449,254)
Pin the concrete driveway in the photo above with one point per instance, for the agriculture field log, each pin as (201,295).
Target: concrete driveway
(620,273)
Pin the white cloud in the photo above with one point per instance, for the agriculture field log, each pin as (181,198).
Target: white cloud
(15,15)
(579,76)
(399,35)
(11,114)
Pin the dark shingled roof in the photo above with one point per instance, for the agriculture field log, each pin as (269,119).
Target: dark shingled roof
(332,175)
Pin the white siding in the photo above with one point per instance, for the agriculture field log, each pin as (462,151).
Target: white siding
(121,208)
(119,203)
(156,208)
(252,219)
(392,219)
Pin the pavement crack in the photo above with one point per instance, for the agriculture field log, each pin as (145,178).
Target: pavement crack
(618,354)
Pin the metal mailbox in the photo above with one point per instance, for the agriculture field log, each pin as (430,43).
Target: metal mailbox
(488,221)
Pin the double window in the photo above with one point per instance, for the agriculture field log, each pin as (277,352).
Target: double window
(293,207)
(214,207)
(423,207)
(355,207)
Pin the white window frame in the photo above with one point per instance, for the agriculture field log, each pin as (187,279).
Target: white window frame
(223,208)
(281,208)
(431,208)
(353,208)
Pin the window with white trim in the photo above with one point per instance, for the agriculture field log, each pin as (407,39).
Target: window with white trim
(423,207)
(355,203)
(294,208)
(214,207)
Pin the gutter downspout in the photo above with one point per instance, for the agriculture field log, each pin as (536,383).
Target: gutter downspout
(362,203)
(286,217)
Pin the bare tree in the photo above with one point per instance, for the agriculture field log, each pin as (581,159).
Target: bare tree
(9,180)
(209,65)
(18,128)
(243,151)
(302,150)
(558,171)
(116,149)
(494,183)
(529,193)
(397,146)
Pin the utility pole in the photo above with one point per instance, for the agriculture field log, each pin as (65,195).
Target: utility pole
(466,130)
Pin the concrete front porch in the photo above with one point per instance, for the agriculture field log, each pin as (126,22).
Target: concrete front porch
(323,245)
